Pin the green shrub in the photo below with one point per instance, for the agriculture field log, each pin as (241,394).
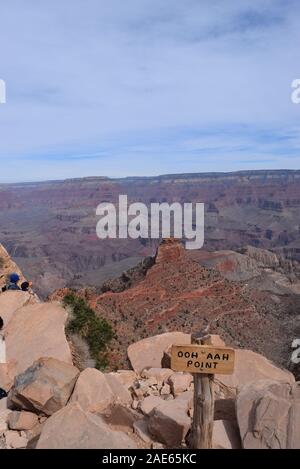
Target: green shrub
(96,331)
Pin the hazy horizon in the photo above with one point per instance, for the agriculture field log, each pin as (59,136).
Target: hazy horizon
(130,176)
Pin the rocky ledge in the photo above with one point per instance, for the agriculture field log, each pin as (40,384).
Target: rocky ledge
(52,404)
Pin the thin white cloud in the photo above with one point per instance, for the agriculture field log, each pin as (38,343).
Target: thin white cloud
(83,73)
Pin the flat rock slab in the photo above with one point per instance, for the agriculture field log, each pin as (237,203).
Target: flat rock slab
(36,331)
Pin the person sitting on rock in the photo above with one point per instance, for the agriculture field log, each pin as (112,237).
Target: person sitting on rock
(13,282)
(25,286)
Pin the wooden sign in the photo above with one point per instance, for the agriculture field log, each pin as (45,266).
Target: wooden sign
(202,359)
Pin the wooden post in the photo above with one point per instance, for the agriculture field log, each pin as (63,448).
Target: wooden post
(203,418)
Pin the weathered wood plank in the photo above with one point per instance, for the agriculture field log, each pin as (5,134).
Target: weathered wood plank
(202,359)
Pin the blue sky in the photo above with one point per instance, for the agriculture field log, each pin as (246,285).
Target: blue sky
(145,87)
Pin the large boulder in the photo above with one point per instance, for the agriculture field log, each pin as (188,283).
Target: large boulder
(148,353)
(250,367)
(12,301)
(268,414)
(92,391)
(45,387)
(169,423)
(36,331)
(73,428)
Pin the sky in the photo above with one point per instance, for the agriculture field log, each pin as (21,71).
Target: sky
(145,87)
